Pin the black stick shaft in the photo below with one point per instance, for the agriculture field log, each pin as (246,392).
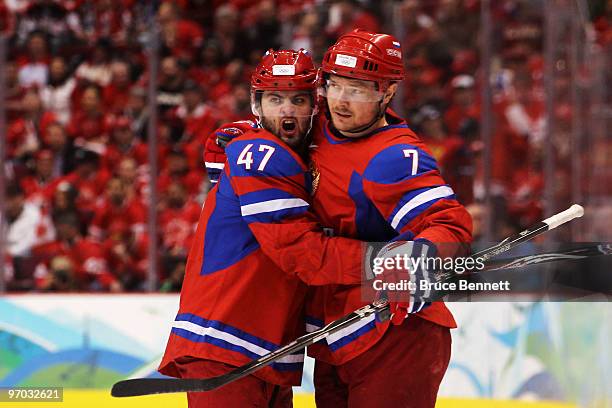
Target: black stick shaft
(146,386)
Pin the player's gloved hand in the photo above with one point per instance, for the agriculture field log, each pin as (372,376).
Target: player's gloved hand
(403,262)
(214,148)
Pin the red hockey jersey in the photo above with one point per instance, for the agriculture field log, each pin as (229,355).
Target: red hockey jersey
(376,188)
(255,245)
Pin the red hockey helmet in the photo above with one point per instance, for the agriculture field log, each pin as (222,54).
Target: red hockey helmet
(364,55)
(285,70)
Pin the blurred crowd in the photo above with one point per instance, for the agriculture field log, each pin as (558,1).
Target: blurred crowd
(77,110)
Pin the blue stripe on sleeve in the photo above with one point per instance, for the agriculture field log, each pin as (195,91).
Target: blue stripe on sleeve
(395,164)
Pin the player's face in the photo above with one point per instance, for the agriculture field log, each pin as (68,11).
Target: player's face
(352,103)
(287,114)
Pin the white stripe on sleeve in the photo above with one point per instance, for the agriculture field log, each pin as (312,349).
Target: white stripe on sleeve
(424,197)
(272,205)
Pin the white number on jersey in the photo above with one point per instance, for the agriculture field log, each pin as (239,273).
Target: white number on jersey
(246,156)
(414,153)
(269,152)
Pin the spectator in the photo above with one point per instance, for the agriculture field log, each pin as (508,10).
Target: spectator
(14,92)
(61,276)
(56,96)
(208,69)
(265,33)
(38,187)
(123,143)
(89,124)
(87,258)
(111,19)
(347,15)
(178,220)
(97,68)
(119,202)
(306,32)
(128,173)
(177,170)
(51,17)
(34,66)
(64,199)
(127,256)
(56,140)
(27,224)
(25,133)
(117,93)
(227,32)
(180,37)
(89,180)
(197,116)
(198,120)
(137,111)
(170,87)
(463,103)
(236,105)
(447,149)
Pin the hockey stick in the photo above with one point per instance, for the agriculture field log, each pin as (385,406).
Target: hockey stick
(567,255)
(146,386)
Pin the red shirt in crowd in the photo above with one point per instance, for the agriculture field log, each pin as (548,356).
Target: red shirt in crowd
(178,225)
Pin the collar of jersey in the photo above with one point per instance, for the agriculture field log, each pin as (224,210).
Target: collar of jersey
(333,136)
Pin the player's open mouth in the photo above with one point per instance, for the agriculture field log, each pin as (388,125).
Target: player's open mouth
(289,126)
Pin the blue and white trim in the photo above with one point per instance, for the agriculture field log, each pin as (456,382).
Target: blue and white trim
(418,202)
(272,206)
(197,329)
(351,333)
(313,324)
(214,170)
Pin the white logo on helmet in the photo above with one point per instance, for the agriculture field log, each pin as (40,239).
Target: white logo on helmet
(394,53)
(346,61)
(283,70)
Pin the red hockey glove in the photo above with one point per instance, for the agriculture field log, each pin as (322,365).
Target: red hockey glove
(402,267)
(214,148)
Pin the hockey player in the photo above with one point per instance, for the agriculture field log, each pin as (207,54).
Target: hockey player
(387,187)
(256,247)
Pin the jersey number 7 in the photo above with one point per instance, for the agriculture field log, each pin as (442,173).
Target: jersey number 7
(246,156)
(415,159)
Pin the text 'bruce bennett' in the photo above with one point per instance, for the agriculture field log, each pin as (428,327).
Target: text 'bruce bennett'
(406,285)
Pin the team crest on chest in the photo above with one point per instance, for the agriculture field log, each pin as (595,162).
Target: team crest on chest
(315,175)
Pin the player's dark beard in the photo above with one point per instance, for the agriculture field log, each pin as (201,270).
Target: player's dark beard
(275,128)
(270,126)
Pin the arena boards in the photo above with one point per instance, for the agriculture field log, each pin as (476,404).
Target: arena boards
(102,398)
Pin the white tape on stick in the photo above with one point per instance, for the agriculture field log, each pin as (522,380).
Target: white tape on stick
(575,211)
